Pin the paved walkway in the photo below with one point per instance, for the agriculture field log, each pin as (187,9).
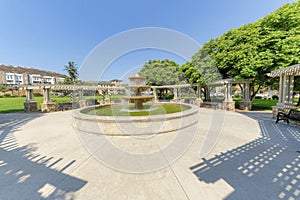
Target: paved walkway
(43,157)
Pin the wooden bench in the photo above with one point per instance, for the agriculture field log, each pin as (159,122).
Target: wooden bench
(292,115)
(277,109)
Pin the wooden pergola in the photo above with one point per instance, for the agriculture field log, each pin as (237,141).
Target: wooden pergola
(286,87)
(286,83)
(228,103)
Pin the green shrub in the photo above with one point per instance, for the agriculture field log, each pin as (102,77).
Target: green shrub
(258,97)
(6,95)
(169,96)
(238,96)
(37,94)
(275,97)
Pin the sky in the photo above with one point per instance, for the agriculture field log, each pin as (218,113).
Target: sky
(47,34)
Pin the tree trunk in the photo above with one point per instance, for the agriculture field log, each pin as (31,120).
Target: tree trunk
(254,92)
(241,87)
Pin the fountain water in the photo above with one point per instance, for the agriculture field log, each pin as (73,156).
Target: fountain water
(136,88)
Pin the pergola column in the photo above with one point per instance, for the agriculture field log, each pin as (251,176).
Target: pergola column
(199,101)
(29,95)
(286,87)
(287,90)
(281,85)
(105,93)
(198,92)
(245,103)
(46,92)
(179,93)
(175,91)
(228,92)
(30,105)
(47,105)
(228,103)
(155,95)
(82,102)
(80,94)
(207,94)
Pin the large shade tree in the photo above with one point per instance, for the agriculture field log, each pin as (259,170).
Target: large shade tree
(255,49)
(162,72)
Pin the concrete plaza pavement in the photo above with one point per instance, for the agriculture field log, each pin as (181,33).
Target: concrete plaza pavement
(232,156)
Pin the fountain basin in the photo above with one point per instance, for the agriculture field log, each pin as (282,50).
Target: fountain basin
(134,125)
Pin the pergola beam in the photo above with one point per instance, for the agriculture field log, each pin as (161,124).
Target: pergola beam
(293,70)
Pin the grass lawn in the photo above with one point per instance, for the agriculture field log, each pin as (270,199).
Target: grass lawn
(259,104)
(263,104)
(16,104)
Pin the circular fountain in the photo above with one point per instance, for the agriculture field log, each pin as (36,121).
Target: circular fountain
(138,118)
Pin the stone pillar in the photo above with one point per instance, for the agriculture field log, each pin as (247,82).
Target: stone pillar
(82,102)
(228,103)
(288,90)
(46,92)
(80,94)
(29,95)
(30,105)
(280,98)
(228,92)
(155,95)
(175,92)
(179,93)
(198,92)
(286,87)
(245,103)
(207,93)
(106,99)
(47,105)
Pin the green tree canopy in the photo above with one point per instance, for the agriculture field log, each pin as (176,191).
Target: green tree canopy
(162,72)
(255,49)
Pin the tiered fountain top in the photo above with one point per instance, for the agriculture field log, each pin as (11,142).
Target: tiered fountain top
(137,80)
(136,87)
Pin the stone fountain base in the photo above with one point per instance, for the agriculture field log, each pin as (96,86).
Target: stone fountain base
(129,125)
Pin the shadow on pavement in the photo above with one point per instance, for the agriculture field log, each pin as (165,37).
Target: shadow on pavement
(265,168)
(26,175)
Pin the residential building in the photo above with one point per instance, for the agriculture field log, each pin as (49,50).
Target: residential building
(14,79)
(14,75)
(59,80)
(105,84)
(48,80)
(35,78)
(116,82)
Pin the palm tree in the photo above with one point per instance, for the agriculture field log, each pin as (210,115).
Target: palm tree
(72,71)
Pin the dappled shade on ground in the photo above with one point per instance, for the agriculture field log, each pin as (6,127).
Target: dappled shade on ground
(265,168)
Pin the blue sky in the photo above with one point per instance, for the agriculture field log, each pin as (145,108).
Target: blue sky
(48,34)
